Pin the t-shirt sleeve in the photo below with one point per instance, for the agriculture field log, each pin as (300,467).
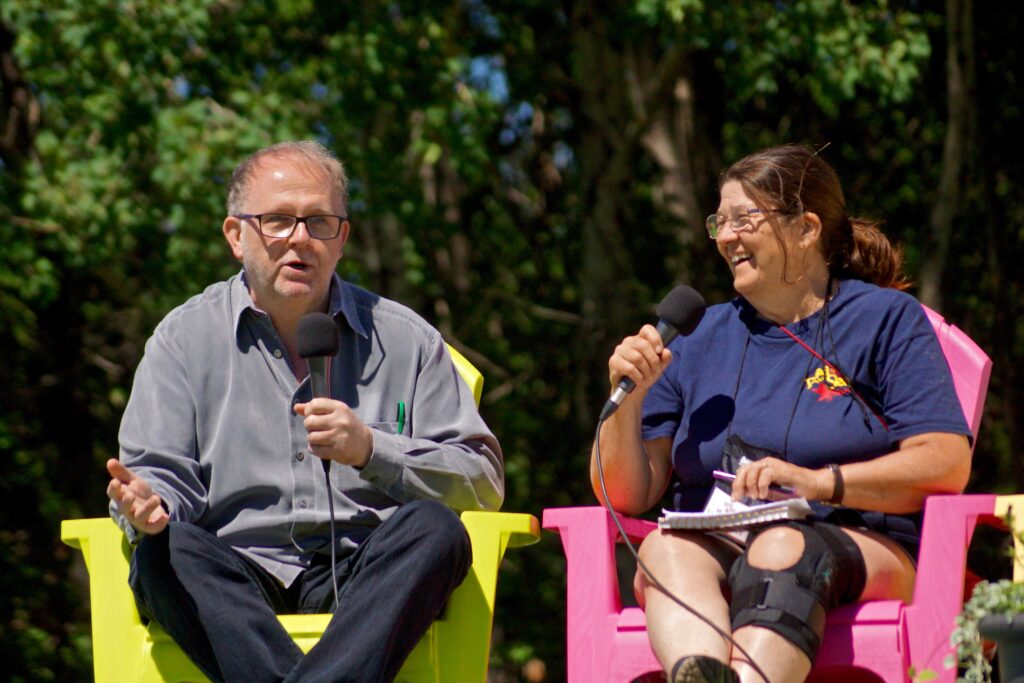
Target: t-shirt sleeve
(663,405)
(914,379)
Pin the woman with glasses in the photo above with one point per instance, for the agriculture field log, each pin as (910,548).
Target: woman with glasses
(822,376)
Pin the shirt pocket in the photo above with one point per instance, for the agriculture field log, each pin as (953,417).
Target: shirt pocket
(385,427)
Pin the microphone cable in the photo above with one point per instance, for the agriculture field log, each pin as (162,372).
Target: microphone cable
(334,541)
(650,575)
(317,341)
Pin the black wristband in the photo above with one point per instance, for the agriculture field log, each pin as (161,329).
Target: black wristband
(838,488)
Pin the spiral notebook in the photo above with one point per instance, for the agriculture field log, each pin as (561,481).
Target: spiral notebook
(722,512)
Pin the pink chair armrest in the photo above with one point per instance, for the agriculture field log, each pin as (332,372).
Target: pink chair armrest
(588,536)
(949,524)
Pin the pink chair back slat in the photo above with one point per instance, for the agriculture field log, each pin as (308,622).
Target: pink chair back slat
(970,366)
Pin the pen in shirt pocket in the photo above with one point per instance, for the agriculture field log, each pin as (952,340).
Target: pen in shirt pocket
(401,416)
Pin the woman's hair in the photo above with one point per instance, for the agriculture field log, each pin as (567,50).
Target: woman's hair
(794,179)
(308,150)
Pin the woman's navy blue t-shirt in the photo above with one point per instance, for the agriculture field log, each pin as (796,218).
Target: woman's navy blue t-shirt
(740,374)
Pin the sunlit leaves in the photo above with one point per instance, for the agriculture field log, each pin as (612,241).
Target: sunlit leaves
(829,48)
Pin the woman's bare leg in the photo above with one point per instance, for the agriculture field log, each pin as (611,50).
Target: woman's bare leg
(693,566)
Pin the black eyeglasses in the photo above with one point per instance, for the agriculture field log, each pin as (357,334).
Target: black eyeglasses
(279,225)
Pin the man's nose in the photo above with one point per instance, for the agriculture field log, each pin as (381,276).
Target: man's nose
(301,232)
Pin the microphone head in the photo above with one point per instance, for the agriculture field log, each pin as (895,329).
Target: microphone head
(682,308)
(317,335)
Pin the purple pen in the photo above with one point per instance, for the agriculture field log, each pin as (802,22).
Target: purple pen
(727,476)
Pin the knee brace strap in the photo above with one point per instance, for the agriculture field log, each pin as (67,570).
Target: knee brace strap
(791,602)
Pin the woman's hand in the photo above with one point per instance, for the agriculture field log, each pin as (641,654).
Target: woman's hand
(753,480)
(642,358)
(636,472)
(897,482)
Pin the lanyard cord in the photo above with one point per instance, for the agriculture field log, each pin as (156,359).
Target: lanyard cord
(736,389)
(792,413)
(839,372)
(796,404)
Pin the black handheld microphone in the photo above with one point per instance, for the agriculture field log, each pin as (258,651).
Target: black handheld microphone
(318,343)
(678,313)
(317,339)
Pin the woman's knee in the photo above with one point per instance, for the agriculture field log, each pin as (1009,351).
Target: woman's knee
(700,558)
(677,549)
(791,576)
(776,548)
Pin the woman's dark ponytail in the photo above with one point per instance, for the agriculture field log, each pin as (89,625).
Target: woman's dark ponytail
(873,257)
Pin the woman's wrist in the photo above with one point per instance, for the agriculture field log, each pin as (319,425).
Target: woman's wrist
(828,485)
(835,486)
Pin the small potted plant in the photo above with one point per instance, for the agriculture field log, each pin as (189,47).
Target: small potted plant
(994,612)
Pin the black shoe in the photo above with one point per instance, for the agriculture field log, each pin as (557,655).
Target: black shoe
(655,677)
(702,669)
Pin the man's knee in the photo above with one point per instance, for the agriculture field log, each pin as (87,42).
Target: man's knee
(431,518)
(439,528)
(150,560)
(181,548)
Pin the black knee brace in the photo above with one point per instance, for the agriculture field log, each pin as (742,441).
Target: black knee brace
(791,602)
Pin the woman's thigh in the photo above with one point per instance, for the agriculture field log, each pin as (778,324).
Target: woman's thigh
(889,568)
(680,558)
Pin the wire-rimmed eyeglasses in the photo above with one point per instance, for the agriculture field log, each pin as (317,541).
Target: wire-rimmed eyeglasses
(716,223)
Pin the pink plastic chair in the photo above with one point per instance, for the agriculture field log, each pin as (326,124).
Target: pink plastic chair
(877,640)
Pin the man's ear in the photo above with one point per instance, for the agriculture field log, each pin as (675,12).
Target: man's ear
(345,227)
(232,229)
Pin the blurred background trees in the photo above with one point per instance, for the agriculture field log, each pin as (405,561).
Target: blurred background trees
(532,176)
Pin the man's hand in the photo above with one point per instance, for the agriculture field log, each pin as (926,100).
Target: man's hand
(135,499)
(335,433)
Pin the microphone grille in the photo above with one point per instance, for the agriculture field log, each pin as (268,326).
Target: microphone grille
(317,335)
(682,308)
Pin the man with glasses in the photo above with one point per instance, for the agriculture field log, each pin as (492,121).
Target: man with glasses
(219,481)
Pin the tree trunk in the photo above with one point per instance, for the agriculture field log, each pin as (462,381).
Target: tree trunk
(19,109)
(959,77)
(633,97)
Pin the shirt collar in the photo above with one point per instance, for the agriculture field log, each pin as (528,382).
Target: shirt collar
(340,301)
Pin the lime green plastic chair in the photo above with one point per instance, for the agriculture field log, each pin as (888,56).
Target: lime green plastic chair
(455,649)
(1013,505)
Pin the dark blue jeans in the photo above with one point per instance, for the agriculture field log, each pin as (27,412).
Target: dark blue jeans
(220,607)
